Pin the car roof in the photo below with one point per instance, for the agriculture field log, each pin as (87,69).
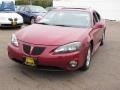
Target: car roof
(29,6)
(74,8)
(32,6)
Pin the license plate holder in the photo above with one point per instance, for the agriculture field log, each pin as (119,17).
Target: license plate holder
(14,23)
(29,61)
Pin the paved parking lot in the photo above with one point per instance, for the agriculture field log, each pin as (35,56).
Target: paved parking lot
(104,73)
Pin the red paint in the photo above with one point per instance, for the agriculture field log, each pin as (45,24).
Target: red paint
(52,37)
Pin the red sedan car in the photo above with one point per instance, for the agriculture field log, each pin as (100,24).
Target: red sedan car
(65,39)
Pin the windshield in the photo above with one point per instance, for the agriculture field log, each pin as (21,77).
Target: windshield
(7,6)
(67,18)
(37,9)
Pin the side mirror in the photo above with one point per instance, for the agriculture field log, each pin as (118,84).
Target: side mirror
(98,25)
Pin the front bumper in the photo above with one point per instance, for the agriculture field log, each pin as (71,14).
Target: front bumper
(48,60)
(11,24)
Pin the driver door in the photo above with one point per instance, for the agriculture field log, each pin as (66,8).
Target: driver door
(97,31)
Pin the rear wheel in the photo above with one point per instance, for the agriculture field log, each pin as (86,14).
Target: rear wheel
(87,62)
(102,41)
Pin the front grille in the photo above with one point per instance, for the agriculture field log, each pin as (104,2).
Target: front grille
(37,50)
(15,19)
(10,19)
(26,48)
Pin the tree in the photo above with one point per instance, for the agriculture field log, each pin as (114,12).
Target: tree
(43,3)
(30,2)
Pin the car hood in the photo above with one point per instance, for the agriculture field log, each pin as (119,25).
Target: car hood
(50,35)
(10,15)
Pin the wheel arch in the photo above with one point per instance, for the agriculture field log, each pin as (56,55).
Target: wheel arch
(91,44)
(32,17)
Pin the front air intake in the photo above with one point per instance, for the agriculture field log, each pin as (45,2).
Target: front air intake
(26,48)
(37,50)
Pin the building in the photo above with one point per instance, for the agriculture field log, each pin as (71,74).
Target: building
(109,9)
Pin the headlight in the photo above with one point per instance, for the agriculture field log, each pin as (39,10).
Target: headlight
(71,47)
(14,40)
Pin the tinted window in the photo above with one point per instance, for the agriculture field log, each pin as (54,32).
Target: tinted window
(7,6)
(98,16)
(95,18)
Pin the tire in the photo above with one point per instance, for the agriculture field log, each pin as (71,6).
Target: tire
(102,41)
(87,62)
(32,20)
(19,26)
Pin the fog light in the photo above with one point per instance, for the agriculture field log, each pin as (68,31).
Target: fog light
(73,64)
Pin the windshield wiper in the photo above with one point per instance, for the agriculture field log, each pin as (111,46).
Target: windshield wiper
(54,24)
(63,25)
(44,23)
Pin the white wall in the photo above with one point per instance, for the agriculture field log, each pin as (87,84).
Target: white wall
(109,9)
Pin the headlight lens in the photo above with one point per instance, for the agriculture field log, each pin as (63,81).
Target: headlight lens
(14,40)
(68,48)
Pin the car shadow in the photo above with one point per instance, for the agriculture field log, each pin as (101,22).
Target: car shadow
(12,28)
(9,28)
(33,73)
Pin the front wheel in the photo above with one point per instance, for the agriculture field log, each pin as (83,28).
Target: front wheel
(102,40)
(19,26)
(87,62)
(32,20)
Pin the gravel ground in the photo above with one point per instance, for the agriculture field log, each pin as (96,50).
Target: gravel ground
(104,73)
